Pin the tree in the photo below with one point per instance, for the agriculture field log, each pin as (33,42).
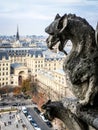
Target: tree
(26,86)
(17,90)
(34,88)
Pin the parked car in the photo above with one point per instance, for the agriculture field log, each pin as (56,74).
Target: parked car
(37,128)
(49,124)
(34,124)
(25,113)
(24,108)
(29,117)
(15,104)
(37,110)
(4,104)
(43,118)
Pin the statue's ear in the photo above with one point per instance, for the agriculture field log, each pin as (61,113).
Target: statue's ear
(57,16)
(62,23)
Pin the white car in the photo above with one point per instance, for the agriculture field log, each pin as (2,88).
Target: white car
(43,118)
(24,108)
(37,128)
(24,111)
(29,117)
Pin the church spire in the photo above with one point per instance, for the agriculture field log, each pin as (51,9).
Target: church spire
(17,35)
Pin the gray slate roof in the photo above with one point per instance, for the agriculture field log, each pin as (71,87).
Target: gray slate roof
(16,65)
(3,54)
(36,53)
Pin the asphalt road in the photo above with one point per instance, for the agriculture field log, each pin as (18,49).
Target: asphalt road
(38,119)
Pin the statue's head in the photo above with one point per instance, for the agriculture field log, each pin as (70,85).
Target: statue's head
(55,29)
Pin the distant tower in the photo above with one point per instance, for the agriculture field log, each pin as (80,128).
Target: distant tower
(17,35)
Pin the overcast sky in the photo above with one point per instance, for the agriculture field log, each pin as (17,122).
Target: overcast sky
(32,16)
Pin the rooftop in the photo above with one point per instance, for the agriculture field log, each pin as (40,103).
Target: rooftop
(16,65)
(3,54)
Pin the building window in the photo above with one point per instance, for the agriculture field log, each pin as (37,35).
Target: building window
(12,82)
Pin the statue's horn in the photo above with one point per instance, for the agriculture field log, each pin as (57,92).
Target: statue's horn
(96,34)
(57,16)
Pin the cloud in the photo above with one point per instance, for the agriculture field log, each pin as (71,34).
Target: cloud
(42,12)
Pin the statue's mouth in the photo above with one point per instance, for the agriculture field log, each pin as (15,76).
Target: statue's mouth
(53,43)
(60,47)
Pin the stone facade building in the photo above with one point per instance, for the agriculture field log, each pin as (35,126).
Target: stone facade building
(19,63)
(53,84)
(4,69)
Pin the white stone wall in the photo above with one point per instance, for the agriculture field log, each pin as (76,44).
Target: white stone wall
(54,82)
(4,72)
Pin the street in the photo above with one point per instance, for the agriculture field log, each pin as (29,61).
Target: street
(9,123)
(38,119)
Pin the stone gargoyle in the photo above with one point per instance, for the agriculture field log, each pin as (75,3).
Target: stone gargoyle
(80,66)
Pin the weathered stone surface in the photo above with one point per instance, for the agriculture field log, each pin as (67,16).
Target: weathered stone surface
(81,68)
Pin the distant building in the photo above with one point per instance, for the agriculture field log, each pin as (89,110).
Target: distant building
(27,61)
(4,69)
(17,34)
(24,59)
(53,84)
(19,72)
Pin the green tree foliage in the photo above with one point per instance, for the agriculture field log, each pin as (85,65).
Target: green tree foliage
(26,86)
(34,88)
(17,90)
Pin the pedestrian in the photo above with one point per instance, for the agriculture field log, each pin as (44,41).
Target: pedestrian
(5,124)
(16,125)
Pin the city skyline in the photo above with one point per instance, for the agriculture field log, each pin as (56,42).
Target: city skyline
(33,16)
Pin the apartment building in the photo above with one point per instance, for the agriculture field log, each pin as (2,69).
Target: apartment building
(53,84)
(4,69)
(31,59)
